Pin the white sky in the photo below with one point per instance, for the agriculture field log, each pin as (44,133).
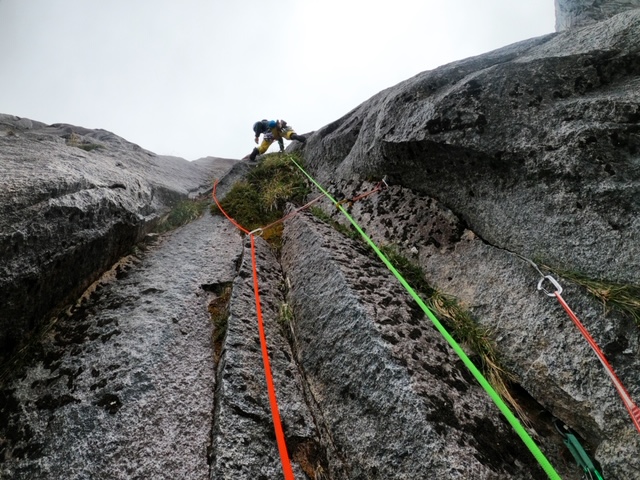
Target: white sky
(190,77)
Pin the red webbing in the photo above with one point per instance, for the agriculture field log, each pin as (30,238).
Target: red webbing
(633,409)
(351,201)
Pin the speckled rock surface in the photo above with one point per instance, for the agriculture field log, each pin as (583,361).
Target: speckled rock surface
(499,288)
(395,399)
(123,387)
(244,443)
(534,146)
(530,151)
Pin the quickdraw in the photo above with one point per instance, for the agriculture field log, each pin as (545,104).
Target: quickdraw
(579,454)
(631,407)
(381,185)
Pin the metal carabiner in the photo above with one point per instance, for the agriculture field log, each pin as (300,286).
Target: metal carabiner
(555,284)
(258,231)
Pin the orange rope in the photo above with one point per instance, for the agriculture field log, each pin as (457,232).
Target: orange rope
(237,225)
(275,413)
(282,446)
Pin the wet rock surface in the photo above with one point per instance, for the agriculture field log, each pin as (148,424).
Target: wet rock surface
(527,152)
(123,387)
(72,202)
(533,146)
(536,339)
(244,443)
(393,397)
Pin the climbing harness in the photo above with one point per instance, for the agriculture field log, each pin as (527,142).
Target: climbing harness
(275,413)
(579,454)
(515,423)
(381,185)
(632,408)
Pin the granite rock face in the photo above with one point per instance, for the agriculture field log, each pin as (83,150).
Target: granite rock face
(72,202)
(122,386)
(394,399)
(578,13)
(244,444)
(527,153)
(521,159)
(534,146)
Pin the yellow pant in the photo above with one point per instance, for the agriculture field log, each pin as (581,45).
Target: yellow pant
(275,134)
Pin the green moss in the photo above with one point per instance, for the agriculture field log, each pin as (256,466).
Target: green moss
(260,199)
(346,230)
(413,274)
(285,315)
(89,146)
(181,214)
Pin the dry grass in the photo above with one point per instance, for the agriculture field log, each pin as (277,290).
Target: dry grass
(182,213)
(480,341)
(260,199)
(623,298)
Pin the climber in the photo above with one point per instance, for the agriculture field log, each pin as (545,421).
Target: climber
(272,130)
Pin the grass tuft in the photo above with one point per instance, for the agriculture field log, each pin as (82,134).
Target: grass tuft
(623,298)
(479,339)
(260,199)
(461,325)
(285,316)
(183,213)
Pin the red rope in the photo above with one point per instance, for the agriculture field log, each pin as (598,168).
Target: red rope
(282,446)
(237,225)
(632,408)
(275,413)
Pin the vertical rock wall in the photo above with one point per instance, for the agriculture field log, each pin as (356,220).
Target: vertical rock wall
(123,388)
(396,401)
(72,202)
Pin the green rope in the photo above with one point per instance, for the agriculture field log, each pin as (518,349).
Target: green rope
(517,426)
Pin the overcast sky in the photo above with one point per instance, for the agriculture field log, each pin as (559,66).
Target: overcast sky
(190,77)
